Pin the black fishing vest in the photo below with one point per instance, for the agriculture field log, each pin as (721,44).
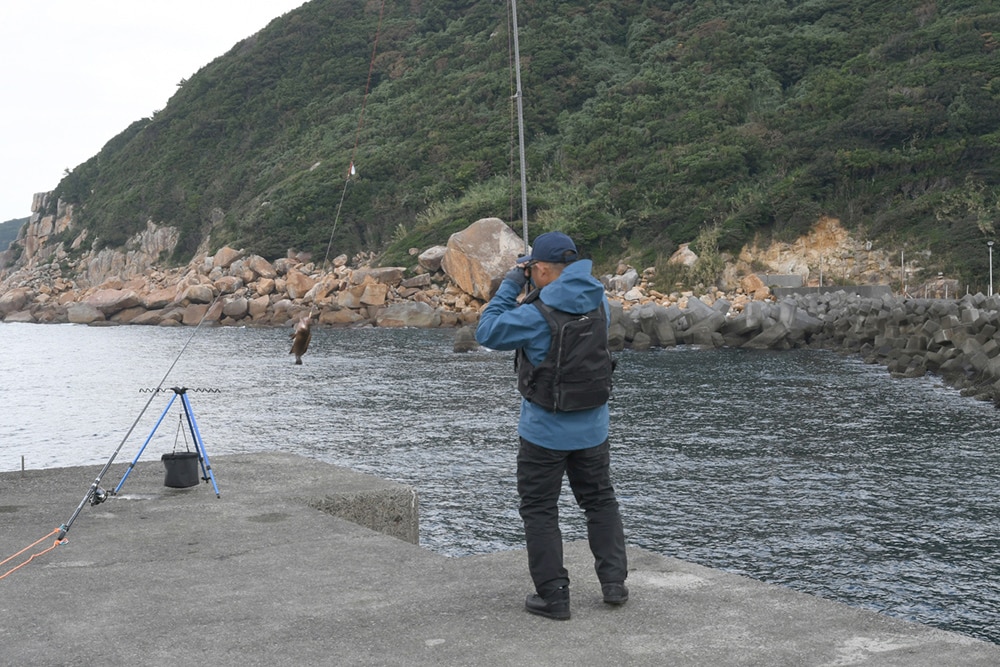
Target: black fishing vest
(576,372)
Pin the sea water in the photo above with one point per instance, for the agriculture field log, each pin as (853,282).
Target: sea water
(804,468)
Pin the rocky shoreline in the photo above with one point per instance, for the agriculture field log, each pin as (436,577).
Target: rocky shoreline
(959,340)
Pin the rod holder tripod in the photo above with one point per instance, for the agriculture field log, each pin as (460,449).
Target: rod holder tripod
(206,465)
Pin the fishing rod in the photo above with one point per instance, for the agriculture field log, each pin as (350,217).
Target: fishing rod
(351,170)
(95,494)
(520,129)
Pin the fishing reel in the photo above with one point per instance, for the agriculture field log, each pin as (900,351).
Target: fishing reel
(99,496)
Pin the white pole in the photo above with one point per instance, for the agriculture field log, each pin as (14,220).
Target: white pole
(990,244)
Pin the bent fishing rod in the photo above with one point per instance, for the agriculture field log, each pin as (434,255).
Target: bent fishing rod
(95,494)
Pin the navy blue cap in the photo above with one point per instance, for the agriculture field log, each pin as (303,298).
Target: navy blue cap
(553,247)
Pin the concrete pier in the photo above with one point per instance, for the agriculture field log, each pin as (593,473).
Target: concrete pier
(269,575)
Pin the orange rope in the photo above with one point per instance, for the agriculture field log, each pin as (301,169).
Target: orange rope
(55,531)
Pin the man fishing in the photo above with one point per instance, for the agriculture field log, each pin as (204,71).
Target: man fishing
(563,426)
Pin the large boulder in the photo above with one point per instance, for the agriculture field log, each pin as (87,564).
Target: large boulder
(261,267)
(159,298)
(431,258)
(478,256)
(199,294)
(236,308)
(386,275)
(257,308)
(297,284)
(21,316)
(111,301)
(374,294)
(84,313)
(409,314)
(351,297)
(14,300)
(683,256)
(226,256)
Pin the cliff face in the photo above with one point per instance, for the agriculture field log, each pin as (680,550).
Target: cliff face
(50,247)
(828,253)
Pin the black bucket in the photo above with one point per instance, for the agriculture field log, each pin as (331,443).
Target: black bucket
(182,469)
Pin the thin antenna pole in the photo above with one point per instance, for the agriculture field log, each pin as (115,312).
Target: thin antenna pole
(520,129)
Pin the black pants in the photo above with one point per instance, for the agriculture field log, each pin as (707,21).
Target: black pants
(539,481)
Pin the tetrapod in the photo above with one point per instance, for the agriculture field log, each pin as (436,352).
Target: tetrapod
(206,465)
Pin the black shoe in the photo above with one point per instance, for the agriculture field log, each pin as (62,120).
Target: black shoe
(615,593)
(555,606)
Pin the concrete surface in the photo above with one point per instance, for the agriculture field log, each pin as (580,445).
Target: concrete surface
(260,576)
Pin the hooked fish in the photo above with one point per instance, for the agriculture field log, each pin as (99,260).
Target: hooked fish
(300,338)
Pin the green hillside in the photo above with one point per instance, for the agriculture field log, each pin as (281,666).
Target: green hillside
(647,123)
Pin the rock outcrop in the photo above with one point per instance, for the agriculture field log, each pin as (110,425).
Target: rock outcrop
(478,257)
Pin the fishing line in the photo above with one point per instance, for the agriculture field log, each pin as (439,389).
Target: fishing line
(512,112)
(357,133)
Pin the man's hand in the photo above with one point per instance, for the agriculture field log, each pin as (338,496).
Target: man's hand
(519,274)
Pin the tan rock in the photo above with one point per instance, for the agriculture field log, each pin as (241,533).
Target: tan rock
(684,256)
(111,301)
(423,280)
(341,317)
(265,286)
(84,313)
(409,314)
(128,315)
(150,317)
(257,308)
(387,275)
(261,266)
(431,258)
(14,300)
(322,289)
(351,297)
(297,284)
(197,294)
(226,256)
(751,283)
(374,294)
(21,316)
(193,314)
(158,298)
(228,284)
(236,308)
(477,257)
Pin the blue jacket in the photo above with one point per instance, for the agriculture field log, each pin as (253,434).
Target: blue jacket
(504,325)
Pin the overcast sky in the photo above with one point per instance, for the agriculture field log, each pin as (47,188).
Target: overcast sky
(74,73)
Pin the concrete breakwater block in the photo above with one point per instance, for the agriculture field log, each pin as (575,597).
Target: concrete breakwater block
(956,339)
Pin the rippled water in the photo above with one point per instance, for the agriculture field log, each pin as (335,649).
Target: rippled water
(801,468)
